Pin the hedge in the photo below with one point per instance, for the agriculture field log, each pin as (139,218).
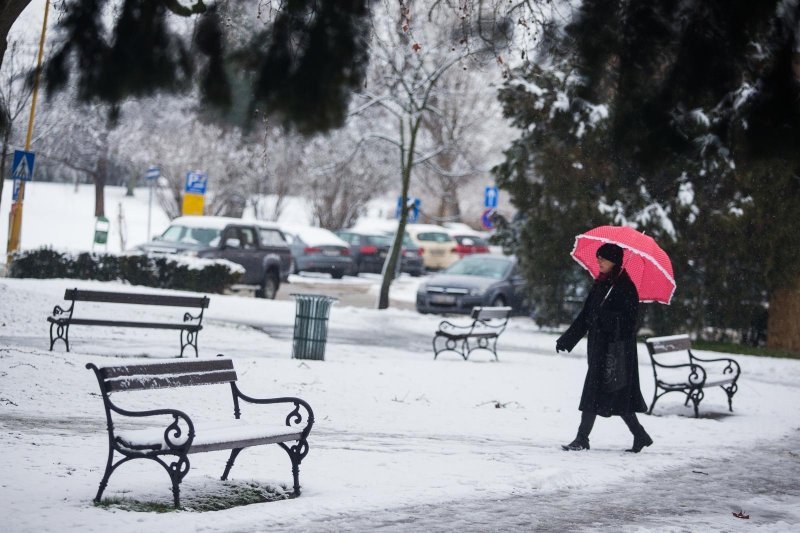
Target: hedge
(164,272)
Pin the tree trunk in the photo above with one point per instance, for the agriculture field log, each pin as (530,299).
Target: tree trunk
(99,193)
(390,266)
(4,159)
(783,328)
(101,176)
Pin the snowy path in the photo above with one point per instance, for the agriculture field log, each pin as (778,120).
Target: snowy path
(762,482)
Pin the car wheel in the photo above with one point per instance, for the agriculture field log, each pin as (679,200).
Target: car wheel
(499,301)
(269,288)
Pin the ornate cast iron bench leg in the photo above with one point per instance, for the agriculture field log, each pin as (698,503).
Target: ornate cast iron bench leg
(696,396)
(730,391)
(189,338)
(296,454)
(62,332)
(177,471)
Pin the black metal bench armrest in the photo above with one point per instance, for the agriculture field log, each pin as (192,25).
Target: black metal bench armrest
(445,326)
(58,310)
(697,374)
(729,369)
(187,316)
(295,417)
(171,432)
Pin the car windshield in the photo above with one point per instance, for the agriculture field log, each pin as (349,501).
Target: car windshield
(481,267)
(379,240)
(190,235)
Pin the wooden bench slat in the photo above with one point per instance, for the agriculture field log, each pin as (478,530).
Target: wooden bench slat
(124,323)
(171,367)
(146,382)
(213,438)
(668,344)
(135,298)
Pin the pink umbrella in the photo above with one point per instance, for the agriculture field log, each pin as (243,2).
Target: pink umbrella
(645,262)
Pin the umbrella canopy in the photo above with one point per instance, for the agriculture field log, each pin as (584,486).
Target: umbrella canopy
(645,262)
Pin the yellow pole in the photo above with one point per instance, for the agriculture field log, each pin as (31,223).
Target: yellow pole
(15,215)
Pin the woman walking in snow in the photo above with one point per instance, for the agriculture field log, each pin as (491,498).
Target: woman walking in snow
(609,314)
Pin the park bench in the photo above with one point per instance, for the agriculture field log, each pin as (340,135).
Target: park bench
(171,434)
(189,328)
(487,325)
(677,369)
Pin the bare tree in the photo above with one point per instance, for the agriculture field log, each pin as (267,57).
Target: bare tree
(409,64)
(344,176)
(79,138)
(469,126)
(14,95)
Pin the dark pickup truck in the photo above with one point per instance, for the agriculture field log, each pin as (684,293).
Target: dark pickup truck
(259,247)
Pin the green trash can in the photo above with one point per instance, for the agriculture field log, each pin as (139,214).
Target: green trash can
(101,227)
(311,326)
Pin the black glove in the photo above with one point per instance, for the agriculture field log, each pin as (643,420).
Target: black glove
(561,346)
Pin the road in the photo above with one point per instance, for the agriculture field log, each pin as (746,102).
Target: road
(361,291)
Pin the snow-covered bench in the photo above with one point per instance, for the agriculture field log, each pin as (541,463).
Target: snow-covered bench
(171,435)
(677,369)
(189,328)
(487,325)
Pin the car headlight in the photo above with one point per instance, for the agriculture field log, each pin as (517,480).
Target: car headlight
(190,253)
(476,292)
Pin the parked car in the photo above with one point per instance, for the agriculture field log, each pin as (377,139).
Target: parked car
(368,249)
(258,246)
(318,250)
(468,244)
(411,261)
(476,280)
(438,248)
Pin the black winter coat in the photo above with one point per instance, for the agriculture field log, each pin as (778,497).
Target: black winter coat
(602,320)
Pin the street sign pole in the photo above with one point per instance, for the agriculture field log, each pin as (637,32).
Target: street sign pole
(152,175)
(15,214)
(149,210)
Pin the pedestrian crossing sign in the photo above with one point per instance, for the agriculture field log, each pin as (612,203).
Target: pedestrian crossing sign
(22,165)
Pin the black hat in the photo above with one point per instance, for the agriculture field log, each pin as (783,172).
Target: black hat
(611,252)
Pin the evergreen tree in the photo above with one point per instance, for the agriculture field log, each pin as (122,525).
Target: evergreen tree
(695,140)
(302,68)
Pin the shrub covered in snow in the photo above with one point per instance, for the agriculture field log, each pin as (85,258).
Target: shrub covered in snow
(168,272)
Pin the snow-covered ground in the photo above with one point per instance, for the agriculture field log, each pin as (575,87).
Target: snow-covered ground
(401,442)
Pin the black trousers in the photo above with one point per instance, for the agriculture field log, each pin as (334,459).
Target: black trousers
(588,418)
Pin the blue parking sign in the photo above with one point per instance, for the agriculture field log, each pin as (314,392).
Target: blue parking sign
(196,182)
(413,211)
(490,196)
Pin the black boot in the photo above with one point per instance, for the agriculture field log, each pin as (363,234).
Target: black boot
(640,437)
(640,441)
(579,444)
